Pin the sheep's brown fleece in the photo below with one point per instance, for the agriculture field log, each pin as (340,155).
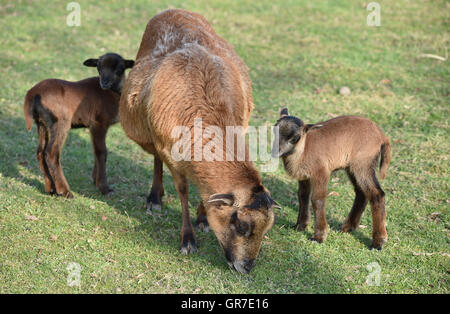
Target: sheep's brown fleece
(183,71)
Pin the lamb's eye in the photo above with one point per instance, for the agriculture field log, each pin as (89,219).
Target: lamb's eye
(294,139)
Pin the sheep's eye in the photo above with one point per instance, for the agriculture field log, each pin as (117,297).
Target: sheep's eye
(242,228)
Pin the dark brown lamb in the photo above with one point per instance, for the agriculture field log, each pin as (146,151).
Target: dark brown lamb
(56,106)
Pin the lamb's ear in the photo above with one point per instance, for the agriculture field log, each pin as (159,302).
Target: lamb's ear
(91,63)
(275,205)
(310,127)
(284,112)
(218,199)
(129,64)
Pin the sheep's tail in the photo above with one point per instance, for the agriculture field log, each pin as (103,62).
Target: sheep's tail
(32,109)
(28,109)
(385,152)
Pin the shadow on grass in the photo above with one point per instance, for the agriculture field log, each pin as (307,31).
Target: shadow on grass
(131,182)
(336,226)
(333,223)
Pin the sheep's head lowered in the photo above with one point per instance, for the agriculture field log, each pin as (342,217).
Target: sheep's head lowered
(240,227)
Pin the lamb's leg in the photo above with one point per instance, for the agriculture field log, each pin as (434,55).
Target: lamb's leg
(202,222)
(40,155)
(154,199)
(304,196)
(188,243)
(319,187)
(57,136)
(377,204)
(98,136)
(94,172)
(359,204)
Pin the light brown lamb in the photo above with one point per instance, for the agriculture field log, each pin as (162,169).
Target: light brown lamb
(184,71)
(311,152)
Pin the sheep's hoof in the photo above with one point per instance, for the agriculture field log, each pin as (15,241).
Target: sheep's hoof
(188,245)
(154,203)
(201,224)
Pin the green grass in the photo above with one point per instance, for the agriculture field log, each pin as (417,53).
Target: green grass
(299,54)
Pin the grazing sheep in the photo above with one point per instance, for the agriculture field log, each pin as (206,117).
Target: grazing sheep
(184,71)
(310,152)
(56,106)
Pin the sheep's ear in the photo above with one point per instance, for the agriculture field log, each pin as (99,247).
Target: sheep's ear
(129,64)
(91,63)
(218,199)
(310,127)
(284,112)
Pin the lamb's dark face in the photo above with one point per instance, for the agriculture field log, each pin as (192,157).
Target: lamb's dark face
(111,69)
(289,133)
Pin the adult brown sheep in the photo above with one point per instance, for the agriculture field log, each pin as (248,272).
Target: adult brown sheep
(185,71)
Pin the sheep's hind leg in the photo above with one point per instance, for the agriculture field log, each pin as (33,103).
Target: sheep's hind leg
(377,204)
(359,204)
(319,187)
(40,154)
(57,136)
(154,199)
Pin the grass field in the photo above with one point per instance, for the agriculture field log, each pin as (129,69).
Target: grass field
(299,54)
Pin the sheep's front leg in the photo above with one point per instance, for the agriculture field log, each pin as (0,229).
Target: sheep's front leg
(377,203)
(202,222)
(98,135)
(319,186)
(188,243)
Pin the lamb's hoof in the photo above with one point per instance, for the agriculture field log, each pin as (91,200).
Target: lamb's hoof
(201,224)
(347,227)
(300,227)
(151,207)
(106,191)
(319,238)
(377,244)
(67,194)
(188,245)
